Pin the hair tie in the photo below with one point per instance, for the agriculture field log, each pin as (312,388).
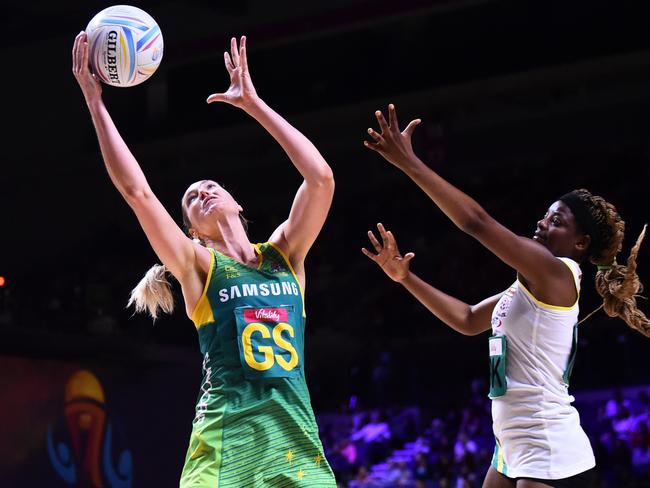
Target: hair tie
(604,267)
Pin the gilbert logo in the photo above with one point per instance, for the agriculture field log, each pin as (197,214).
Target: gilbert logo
(111,56)
(265,315)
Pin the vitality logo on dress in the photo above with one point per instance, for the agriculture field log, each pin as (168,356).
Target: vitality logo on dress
(266,315)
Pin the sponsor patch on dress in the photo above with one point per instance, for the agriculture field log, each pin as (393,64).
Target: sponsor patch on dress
(266,314)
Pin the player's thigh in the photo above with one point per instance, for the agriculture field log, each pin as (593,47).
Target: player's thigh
(494,479)
(531,484)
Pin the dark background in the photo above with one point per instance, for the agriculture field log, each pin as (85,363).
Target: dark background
(521,101)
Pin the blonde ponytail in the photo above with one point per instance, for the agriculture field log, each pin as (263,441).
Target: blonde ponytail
(153,293)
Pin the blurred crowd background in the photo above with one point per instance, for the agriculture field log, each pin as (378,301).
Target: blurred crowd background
(520,101)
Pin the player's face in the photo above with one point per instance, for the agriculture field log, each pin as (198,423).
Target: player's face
(206,200)
(559,232)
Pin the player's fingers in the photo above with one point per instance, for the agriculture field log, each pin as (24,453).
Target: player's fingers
(369,254)
(84,55)
(391,243)
(234,52)
(228,62)
(75,48)
(372,145)
(375,135)
(216,97)
(385,237)
(382,121)
(392,117)
(242,53)
(411,127)
(77,51)
(373,240)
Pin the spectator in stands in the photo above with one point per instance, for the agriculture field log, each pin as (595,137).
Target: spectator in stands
(343,460)
(464,448)
(380,378)
(443,466)
(618,462)
(464,478)
(373,438)
(641,450)
(470,422)
(395,475)
(422,471)
(614,405)
(436,433)
(641,405)
(538,433)
(623,423)
(363,479)
(443,482)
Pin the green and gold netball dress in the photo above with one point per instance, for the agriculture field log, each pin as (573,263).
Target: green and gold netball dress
(254,425)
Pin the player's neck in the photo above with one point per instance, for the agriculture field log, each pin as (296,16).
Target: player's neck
(234,243)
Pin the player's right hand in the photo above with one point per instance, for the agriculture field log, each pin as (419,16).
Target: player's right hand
(388,256)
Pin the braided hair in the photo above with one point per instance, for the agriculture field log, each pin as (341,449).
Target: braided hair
(617,284)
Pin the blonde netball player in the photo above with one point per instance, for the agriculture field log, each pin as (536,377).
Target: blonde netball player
(539,440)
(254,424)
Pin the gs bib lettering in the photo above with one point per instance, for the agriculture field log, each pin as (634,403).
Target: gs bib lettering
(266,339)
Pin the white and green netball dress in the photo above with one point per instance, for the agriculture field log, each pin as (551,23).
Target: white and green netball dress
(537,429)
(254,425)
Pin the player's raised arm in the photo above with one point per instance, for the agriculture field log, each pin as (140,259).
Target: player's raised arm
(173,247)
(314,196)
(460,316)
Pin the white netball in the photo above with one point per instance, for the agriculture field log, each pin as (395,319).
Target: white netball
(126,45)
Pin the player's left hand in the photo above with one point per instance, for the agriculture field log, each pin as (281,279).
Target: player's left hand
(388,256)
(241,92)
(394,145)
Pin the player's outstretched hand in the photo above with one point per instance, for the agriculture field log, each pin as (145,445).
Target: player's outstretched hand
(388,256)
(393,145)
(241,92)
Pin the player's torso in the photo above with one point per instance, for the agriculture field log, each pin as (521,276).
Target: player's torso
(539,339)
(252,321)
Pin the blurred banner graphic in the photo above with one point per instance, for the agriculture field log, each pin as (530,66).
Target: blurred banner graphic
(67,424)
